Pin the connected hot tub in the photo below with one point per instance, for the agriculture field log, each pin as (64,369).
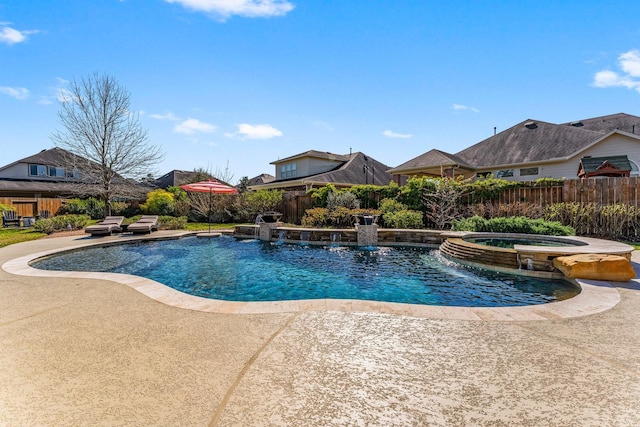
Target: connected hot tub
(523,253)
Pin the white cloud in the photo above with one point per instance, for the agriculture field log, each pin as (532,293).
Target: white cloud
(167,116)
(10,35)
(257,131)
(224,9)
(193,126)
(391,134)
(15,92)
(461,107)
(629,62)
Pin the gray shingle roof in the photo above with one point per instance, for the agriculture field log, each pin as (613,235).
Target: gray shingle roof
(353,172)
(529,141)
(432,158)
(264,178)
(606,124)
(51,157)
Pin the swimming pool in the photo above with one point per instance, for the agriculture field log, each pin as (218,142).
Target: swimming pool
(250,270)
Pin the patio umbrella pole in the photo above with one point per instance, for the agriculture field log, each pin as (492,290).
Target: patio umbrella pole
(211,186)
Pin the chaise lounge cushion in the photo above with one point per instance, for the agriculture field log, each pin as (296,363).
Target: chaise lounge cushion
(146,224)
(110,224)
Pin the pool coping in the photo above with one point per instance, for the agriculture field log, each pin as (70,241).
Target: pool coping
(596,296)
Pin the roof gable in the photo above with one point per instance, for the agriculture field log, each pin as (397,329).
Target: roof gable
(314,154)
(357,170)
(50,157)
(430,159)
(604,166)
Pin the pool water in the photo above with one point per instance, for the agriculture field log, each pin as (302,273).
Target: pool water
(249,270)
(510,242)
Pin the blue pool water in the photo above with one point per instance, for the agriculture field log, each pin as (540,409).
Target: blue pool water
(251,270)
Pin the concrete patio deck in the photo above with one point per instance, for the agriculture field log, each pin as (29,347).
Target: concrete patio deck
(78,351)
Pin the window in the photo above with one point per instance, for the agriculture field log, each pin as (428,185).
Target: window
(72,173)
(56,172)
(505,173)
(288,171)
(529,171)
(37,170)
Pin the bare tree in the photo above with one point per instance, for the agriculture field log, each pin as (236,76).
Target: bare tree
(101,129)
(443,205)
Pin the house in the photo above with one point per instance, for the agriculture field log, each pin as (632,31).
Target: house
(535,149)
(310,169)
(263,178)
(40,175)
(178,177)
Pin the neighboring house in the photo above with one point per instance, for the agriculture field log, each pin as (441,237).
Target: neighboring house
(534,149)
(174,178)
(310,169)
(40,175)
(264,178)
(178,177)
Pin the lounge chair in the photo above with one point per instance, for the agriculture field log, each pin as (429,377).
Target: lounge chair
(146,224)
(107,226)
(10,218)
(44,214)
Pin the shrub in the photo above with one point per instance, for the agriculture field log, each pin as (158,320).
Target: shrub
(518,224)
(413,192)
(93,207)
(396,215)
(611,221)
(342,200)
(159,202)
(61,223)
(5,208)
(490,188)
(167,222)
(391,206)
(249,204)
(320,195)
(340,217)
(494,209)
(316,217)
(403,219)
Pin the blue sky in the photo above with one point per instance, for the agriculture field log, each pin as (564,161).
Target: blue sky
(245,82)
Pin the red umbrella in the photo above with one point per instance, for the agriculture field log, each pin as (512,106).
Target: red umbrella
(212,187)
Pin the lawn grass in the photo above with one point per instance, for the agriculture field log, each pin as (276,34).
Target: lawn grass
(9,236)
(203,226)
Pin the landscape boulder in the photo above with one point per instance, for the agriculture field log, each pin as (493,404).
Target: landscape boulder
(595,267)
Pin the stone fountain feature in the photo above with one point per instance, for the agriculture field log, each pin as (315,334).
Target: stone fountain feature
(367,229)
(266,223)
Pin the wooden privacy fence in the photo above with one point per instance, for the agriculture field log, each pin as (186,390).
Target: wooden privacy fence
(541,196)
(600,191)
(30,207)
(294,204)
